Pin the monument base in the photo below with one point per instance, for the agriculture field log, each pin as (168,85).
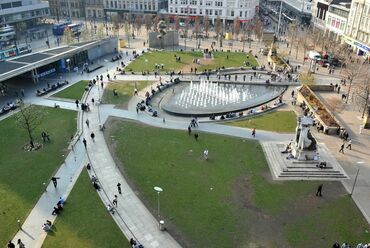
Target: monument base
(303,155)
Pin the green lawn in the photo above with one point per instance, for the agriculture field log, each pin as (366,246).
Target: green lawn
(230,200)
(167,58)
(85,221)
(277,121)
(74,91)
(22,173)
(125,90)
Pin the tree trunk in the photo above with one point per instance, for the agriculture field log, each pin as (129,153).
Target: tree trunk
(365,105)
(349,90)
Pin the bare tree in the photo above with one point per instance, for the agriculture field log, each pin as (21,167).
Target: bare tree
(258,27)
(218,27)
(177,23)
(156,20)
(206,25)
(100,32)
(85,33)
(148,22)
(186,29)
(362,94)
(307,78)
(236,27)
(127,29)
(138,23)
(196,30)
(353,71)
(292,33)
(29,118)
(68,36)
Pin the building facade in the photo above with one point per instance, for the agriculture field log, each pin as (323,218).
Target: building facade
(14,12)
(227,10)
(62,9)
(300,10)
(134,6)
(94,9)
(336,20)
(357,32)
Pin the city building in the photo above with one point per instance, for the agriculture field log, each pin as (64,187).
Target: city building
(112,7)
(227,10)
(94,9)
(319,10)
(20,12)
(336,19)
(357,33)
(62,9)
(300,10)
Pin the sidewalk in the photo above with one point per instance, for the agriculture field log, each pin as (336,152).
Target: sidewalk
(136,222)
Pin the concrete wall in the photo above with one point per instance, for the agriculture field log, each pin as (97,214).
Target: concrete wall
(108,46)
(169,40)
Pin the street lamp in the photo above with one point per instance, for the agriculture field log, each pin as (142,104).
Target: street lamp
(358,171)
(158,190)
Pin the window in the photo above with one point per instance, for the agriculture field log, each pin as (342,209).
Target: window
(232,13)
(17,4)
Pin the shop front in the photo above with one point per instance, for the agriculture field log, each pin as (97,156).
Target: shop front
(360,48)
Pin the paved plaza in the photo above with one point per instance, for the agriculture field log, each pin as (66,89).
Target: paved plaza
(133,218)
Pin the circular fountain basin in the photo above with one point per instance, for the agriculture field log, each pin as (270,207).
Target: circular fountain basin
(207,98)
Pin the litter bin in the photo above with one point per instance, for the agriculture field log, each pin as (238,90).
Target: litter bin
(161,225)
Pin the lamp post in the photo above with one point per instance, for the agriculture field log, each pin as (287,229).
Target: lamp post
(19,224)
(358,171)
(158,190)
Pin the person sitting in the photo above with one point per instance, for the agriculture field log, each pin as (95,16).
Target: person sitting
(115,92)
(321,165)
(56,211)
(96,186)
(94,179)
(110,209)
(61,201)
(47,226)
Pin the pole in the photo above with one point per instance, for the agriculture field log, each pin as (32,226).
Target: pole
(354,184)
(278,29)
(158,206)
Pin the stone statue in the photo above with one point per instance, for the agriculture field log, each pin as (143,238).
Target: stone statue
(305,144)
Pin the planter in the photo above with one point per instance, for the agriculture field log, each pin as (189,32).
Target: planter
(321,113)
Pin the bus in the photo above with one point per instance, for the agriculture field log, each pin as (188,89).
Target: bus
(7,37)
(15,51)
(58,29)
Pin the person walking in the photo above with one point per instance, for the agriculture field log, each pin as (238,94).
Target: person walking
(20,243)
(93,101)
(115,200)
(11,244)
(319,190)
(54,180)
(196,136)
(205,154)
(87,123)
(349,144)
(189,130)
(85,142)
(342,148)
(92,135)
(77,102)
(119,188)
(254,132)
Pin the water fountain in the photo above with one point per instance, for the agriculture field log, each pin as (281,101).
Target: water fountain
(206,97)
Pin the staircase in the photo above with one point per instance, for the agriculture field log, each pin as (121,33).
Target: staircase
(284,169)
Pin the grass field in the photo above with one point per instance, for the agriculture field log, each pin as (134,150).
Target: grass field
(85,222)
(22,173)
(125,90)
(277,121)
(147,61)
(230,200)
(73,92)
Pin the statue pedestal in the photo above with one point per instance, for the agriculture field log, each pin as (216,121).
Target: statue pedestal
(303,155)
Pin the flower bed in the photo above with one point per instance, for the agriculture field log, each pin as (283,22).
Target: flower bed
(319,110)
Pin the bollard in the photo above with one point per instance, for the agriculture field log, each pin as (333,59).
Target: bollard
(161,225)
